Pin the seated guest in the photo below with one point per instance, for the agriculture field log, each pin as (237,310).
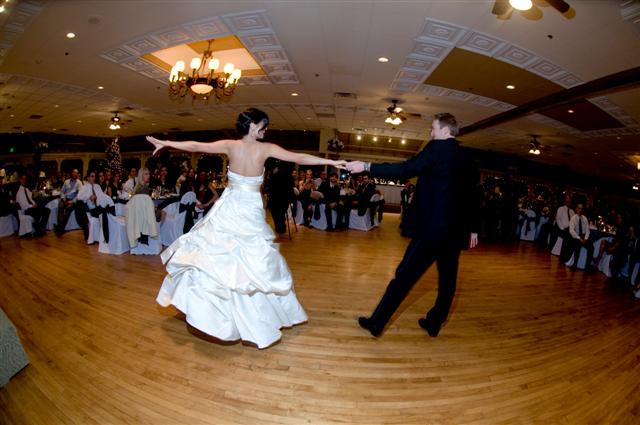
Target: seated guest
(306,202)
(131,183)
(633,248)
(142,185)
(7,206)
(162,181)
(331,192)
(86,202)
(363,197)
(181,179)
(210,197)
(68,195)
(114,187)
(579,231)
(101,181)
(40,214)
(617,248)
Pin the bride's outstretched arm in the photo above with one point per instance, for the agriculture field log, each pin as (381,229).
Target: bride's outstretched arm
(221,146)
(277,152)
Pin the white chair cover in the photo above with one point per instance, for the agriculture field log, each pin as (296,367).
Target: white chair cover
(26,223)
(543,220)
(321,223)
(95,228)
(299,218)
(53,215)
(173,225)
(7,225)
(118,242)
(362,222)
(557,248)
(582,259)
(528,231)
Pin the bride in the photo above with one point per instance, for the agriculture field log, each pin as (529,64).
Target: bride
(226,275)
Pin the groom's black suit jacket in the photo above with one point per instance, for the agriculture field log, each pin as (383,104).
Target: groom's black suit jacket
(446,202)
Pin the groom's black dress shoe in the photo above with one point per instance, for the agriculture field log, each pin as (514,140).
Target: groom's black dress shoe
(365,323)
(432,328)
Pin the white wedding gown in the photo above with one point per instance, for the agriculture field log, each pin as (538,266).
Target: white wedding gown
(227,276)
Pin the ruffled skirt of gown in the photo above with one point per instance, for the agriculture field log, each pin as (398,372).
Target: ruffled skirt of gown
(227,276)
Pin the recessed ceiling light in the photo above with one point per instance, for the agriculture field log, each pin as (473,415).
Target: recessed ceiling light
(308,118)
(56,106)
(294,94)
(571,111)
(100,88)
(79,121)
(383,59)
(390,139)
(153,123)
(71,35)
(403,141)
(511,86)
(11,115)
(375,138)
(359,137)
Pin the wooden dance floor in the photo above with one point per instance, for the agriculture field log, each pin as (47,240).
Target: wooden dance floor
(528,341)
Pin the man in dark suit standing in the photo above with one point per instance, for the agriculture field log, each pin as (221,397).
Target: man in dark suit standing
(443,220)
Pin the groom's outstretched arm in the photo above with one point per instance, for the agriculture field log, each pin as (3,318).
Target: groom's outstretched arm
(409,168)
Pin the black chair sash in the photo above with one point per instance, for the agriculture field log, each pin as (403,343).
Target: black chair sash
(189,216)
(531,221)
(104,211)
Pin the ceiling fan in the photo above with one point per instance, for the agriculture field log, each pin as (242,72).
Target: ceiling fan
(535,147)
(503,7)
(395,114)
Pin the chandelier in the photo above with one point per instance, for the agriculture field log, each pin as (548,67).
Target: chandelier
(203,80)
(395,116)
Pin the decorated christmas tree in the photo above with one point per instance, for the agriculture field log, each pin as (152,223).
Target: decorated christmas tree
(114,160)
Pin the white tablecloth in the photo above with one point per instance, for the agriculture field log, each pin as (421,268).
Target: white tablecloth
(391,193)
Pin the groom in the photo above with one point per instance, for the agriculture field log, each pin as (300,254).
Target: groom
(443,220)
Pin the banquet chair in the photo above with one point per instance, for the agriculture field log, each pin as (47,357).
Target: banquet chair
(53,216)
(25,223)
(528,229)
(142,229)
(177,220)
(299,218)
(7,225)
(321,223)
(543,220)
(113,235)
(362,222)
(557,248)
(94,228)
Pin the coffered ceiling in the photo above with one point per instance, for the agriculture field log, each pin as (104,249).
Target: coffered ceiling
(450,56)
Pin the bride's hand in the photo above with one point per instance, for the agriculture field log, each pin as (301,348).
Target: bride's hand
(159,144)
(340,165)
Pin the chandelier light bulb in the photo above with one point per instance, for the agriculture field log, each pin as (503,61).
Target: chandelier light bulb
(214,64)
(389,120)
(235,75)
(179,66)
(228,68)
(174,74)
(195,63)
(521,4)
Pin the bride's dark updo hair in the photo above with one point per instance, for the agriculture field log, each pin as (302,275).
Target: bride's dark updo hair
(251,115)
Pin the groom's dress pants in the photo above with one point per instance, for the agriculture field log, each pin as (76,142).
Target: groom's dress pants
(418,257)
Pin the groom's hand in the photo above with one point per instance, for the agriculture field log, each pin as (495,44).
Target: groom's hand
(355,167)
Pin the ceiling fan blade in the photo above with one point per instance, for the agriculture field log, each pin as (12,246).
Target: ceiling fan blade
(500,7)
(559,5)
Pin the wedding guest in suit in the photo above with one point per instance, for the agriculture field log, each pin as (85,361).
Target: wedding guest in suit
(40,214)
(68,195)
(86,202)
(444,219)
(331,192)
(131,183)
(579,233)
(564,214)
(363,197)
